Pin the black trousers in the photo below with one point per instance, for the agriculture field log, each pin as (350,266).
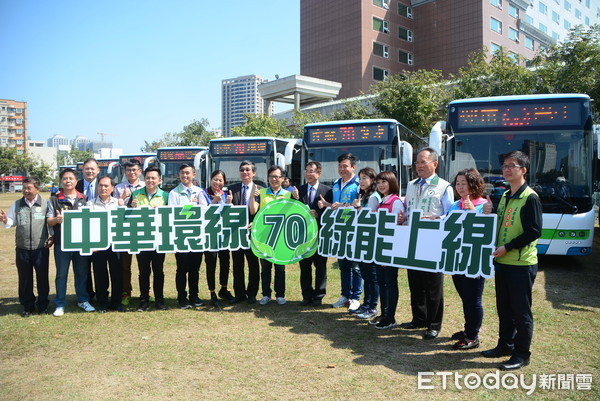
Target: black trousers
(306,278)
(513,302)
(188,272)
(210,259)
(426,298)
(239,282)
(107,263)
(27,261)
(151,262)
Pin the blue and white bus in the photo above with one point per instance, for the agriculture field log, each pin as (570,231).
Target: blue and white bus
(376,143)
(171,158)
(556,132)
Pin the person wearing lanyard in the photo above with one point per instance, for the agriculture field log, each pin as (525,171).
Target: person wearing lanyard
(150,261)
(261,198)
(123,191)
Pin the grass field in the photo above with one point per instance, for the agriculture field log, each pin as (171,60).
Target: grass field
(289,352)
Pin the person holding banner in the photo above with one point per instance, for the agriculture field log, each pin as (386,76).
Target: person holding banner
(107,257)
(368,197)
(188,263)
(151,261)
(516,263)
(387,276)
(68,198)
(29,215)
(123,191)
(218,194)
(309,194)
(345,190)
(242,194)
(433,196)
(261,198)
(469,187)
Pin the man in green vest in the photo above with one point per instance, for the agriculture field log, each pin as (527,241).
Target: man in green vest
(519,227)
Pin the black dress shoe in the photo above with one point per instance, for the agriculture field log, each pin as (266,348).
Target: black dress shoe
(514,363)
(411,326)
(316,302)
(496,352)
(430,334)
(225,294)
(305,302)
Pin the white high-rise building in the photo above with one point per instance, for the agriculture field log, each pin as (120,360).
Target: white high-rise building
(240,97)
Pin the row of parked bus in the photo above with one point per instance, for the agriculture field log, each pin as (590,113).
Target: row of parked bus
(556,131)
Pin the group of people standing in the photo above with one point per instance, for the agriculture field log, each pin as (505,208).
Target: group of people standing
(519,225)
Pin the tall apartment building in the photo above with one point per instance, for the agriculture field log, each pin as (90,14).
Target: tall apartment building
(59,142)
(13,124)
(360,42)
(239,97)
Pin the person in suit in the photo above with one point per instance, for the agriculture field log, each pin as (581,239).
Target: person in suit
(89,187)
(242,193)
(309,194)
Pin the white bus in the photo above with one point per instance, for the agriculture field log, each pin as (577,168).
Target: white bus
(556,132)
(171,158)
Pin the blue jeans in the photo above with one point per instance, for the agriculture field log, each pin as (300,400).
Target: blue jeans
(62,260)
(371,285)
(351,279)
(388,288)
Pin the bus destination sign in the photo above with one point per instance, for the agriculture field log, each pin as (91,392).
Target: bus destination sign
(177,154)
(347,134)
(238,148)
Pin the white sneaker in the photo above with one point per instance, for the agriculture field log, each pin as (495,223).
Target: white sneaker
(59,311)
(354,305)
(86,306)
(340,302)
(264,300)
(281,300)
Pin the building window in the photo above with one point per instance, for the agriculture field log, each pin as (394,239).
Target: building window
(587,21)
(528,43)
(382,3)
(405,57)
(555,17)
(543,8)
(578,13)
(495,25)
(496,3)
(567,6)
(404,11)
(405,34)
(381,50)
(541,49)
(566,24)
(379,74)
(513,56)
(495,48)
(529,19)
(380,25)
(513,34)
(543,28)
(555,36)
(513,11)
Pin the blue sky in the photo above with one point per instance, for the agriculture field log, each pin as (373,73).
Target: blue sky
(137,69)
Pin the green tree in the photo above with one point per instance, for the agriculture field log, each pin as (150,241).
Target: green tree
(415,99)
(500,75)
(573,66)
(12,163)
(261,125)
(194,134)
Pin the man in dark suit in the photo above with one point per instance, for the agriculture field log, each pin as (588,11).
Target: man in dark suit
(89,187)
(309,194)
(241,196)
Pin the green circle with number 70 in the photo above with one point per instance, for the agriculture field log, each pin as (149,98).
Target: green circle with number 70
(284,232)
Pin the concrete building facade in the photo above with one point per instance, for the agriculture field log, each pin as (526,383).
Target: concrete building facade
(239,96)
(13,124)
(359,43)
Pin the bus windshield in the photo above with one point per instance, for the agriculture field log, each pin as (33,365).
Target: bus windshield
(560,164)
(231,165)
(380,157)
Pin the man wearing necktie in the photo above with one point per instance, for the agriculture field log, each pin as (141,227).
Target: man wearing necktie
(433,196)
(88,186)
(309,194)
(241,195)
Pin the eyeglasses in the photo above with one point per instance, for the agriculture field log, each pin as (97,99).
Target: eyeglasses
(510,166)
(276,177)
(245,169)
